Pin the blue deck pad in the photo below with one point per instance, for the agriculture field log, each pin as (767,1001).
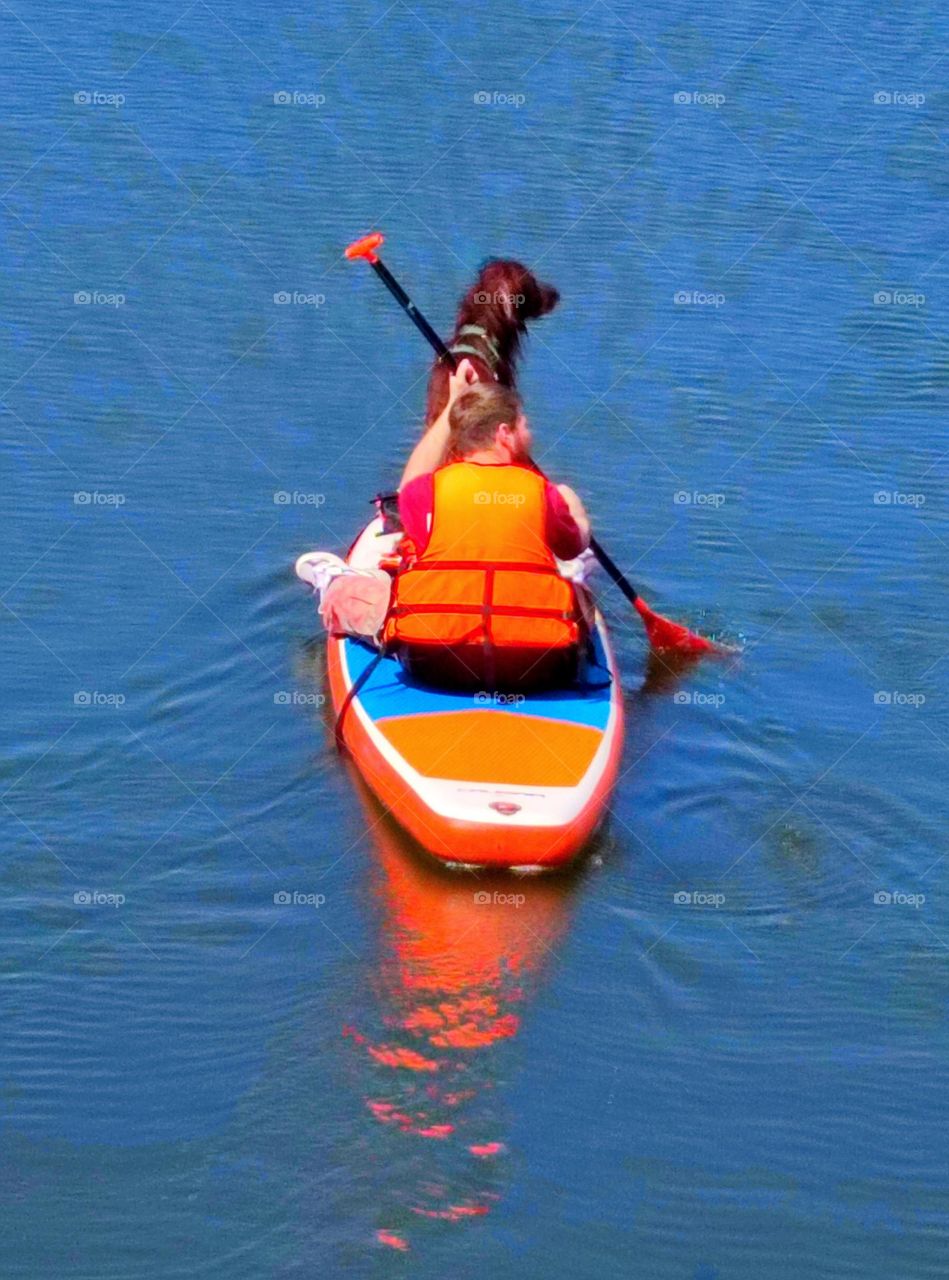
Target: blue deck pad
(390,692)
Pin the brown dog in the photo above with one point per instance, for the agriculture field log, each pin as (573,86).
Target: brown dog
(492,319)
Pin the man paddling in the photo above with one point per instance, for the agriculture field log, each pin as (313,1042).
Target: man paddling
(482,603)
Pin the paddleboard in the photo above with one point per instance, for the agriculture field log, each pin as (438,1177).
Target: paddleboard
(484,780)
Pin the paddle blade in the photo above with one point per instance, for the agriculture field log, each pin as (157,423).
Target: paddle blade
(366,247)
(672,636)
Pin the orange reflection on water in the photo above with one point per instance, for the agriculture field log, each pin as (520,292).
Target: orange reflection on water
(459,956)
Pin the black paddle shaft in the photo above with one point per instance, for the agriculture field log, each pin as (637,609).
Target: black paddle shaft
(412,311)
(614,571)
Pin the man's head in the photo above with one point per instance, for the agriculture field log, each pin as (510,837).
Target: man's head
(488,418)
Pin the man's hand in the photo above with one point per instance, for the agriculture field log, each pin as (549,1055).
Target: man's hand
(430,451)
(462,380)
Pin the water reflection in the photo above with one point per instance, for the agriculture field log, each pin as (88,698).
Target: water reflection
(459,957)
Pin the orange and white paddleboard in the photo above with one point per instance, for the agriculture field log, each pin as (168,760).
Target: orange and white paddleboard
(500,780)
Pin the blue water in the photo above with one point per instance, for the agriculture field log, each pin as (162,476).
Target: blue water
(200,1080)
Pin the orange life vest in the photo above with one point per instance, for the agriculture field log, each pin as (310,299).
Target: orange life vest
(487,576)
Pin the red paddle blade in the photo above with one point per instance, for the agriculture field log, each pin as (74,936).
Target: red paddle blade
(366,247)
(664,634)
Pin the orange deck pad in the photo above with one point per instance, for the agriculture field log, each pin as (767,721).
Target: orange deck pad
(494,746)
(453,840)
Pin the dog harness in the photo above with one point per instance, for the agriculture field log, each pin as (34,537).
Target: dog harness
(492,359)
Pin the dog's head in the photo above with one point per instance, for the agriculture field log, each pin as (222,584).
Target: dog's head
(505,296)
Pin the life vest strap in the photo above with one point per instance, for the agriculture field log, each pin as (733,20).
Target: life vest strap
(502,610)
(499,566)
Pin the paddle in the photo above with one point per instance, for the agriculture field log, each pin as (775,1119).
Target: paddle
(663,634)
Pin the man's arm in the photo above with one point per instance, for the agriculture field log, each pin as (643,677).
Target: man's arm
(429,453)
(568,525)
(416,500)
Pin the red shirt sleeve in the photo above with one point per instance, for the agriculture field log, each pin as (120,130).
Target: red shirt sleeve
(416,501)
(563,533)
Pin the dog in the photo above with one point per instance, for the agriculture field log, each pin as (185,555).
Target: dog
(492,320)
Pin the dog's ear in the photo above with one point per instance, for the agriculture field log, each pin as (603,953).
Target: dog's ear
(539,299)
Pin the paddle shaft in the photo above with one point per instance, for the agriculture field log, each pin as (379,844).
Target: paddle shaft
(614,571)
(411,310)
